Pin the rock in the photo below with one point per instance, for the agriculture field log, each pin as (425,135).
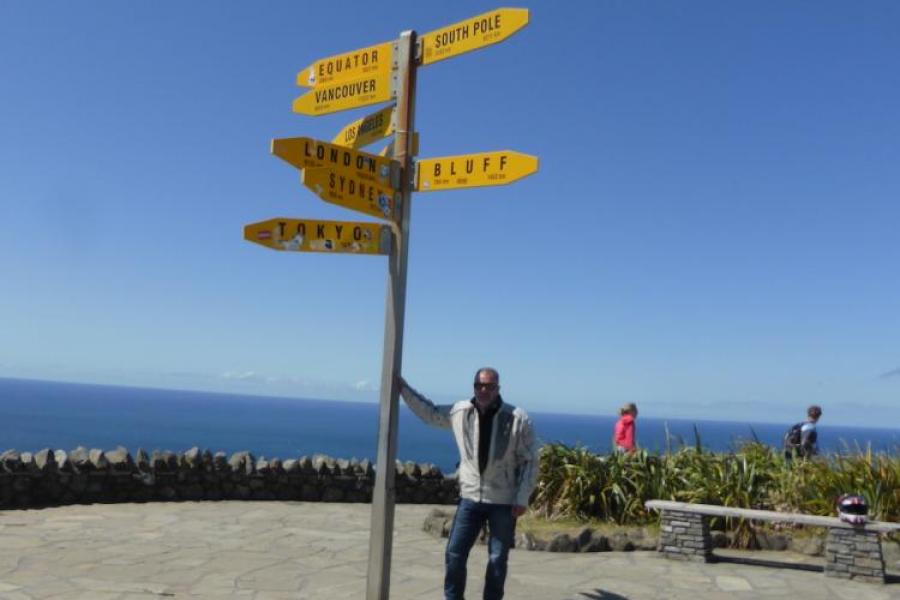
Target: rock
(366,468)
(772,541)
(411,469)
(242,462)
(45,460)
(808,544)
(583,537)
(220,461)
(98,459)
(142,460)
(120,459)
(438,523)
(62,460)
(619,542)
(597,543)
(80,458)
(11,461)
(562,542)
(719,539)
(323,465)
(291,465)
(191,458)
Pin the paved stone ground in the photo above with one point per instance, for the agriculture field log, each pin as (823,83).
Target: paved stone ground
(280,550)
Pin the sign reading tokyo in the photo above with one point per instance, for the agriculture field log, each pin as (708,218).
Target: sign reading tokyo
(349,65)
(473,170)
(307,153)
(472,34)
(351,192)
(346,94)
(367,130)
(308,235)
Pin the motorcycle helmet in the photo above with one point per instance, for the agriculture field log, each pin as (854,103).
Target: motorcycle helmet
(852,509)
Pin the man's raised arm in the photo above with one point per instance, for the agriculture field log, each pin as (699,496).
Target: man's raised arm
(425,409)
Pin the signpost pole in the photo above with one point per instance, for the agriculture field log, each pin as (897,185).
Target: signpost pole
(382,527)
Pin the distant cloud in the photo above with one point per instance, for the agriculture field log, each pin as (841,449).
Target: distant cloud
(364,385)
(243,376)
(889,374)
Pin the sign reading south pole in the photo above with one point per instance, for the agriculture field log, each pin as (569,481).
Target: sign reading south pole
(309,235)
(471,34)
(473,170)
(307,153)
(351,192)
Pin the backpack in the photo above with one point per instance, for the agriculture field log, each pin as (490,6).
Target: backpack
(794,436)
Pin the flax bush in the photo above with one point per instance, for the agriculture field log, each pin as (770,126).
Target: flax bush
(576,483)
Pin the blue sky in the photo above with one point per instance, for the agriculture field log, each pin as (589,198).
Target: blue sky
(713,232)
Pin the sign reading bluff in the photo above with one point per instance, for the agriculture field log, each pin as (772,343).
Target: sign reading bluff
(307,153)
(472,34)
(473,170)
(307,235)
(351,192)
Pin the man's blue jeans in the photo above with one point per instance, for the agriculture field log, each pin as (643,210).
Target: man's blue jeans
(470,518)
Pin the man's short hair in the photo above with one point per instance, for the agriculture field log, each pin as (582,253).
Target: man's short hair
(814,411)
(489,370)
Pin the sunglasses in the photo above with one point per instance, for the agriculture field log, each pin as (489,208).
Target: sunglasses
(486,386)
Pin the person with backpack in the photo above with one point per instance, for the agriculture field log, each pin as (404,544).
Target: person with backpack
(801,439)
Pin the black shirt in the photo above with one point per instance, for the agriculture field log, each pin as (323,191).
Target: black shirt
(485,425)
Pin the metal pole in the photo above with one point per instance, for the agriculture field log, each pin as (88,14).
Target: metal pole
(381,536)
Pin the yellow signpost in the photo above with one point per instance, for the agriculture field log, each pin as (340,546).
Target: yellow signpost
(368,130)
(471,34)
(377,59)
(351,192)
(382,186)
(308,235)
(346,94)
(473,170)
(307,153)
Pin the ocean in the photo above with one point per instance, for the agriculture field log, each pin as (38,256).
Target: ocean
(40,414)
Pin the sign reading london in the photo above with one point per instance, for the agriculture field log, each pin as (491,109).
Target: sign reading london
(471,34)
(378,59)
(473,170)
(307,153)
(351,192)
(308,235)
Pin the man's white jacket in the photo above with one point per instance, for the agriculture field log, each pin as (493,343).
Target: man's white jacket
(512,467)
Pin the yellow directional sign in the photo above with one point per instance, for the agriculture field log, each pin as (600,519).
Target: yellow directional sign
(351,192)
(473,170)
(349,65)
(367,130)
(346,94)
(307,153)
(307,235)
(472,34)
(389,149)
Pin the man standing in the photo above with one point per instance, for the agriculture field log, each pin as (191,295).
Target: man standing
(802,439)
(498,467)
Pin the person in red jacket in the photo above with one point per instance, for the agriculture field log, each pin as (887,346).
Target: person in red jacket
(623,434)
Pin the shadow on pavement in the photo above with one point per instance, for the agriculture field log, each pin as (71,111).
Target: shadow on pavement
(599,595)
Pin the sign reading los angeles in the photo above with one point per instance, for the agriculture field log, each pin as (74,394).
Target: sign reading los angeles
(308,235)
(472,34)
(473,170)
(351,192)
(368,130)
(307,153)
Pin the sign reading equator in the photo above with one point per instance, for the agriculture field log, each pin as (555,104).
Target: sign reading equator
(312,235)
(308,153)
(473,170)
(349,65)
(471,34)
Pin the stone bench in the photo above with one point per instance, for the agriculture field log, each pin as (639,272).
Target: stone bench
(851,551)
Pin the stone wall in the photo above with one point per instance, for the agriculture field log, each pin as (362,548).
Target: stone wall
(685,536)
(854,554)
(55,477)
